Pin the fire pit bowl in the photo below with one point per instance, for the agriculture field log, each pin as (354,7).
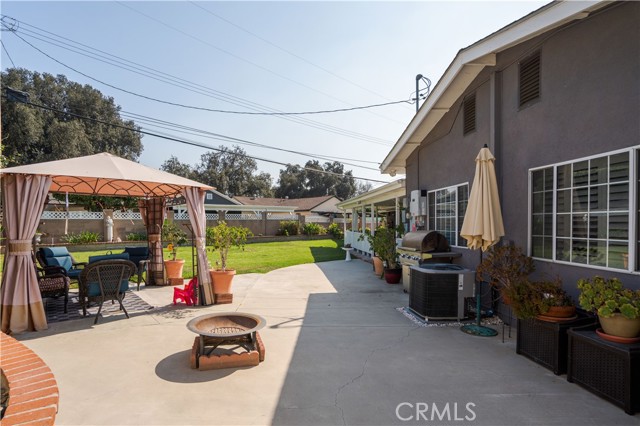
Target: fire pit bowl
(226,324)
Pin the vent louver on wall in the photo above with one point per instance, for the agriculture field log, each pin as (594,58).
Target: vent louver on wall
(469,114)
(530,79)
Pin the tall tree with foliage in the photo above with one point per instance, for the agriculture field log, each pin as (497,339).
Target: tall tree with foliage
(315,180)
(34,135)
(174,166)
(231,172)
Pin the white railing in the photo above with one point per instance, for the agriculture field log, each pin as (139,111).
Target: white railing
(242,216)
(351,237)
(58,215)
(127,215)
(181,215)
(281,216)
(212,216)
(316,219)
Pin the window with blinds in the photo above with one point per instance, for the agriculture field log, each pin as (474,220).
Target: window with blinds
(447,207)
(529,79)
(581,211)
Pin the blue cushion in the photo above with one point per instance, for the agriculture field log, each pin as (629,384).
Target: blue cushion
(94,288)
(136,254)
(74,273)
(54,251)
(63,261)
(124,256)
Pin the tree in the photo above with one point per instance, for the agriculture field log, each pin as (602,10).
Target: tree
(174,166)
(362,187)
(315,180)
(230,171)
(35,135)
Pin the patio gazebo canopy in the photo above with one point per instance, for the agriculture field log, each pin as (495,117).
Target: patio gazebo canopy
(24,191)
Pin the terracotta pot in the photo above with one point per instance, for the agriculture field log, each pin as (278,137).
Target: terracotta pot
(221,280)
(618,325)
(378,267)
(174,268)
(560,311)
(392,276)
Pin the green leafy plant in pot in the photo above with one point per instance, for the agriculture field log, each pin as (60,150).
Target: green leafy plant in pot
(384,245)
(617,307)
(221,238)
(544,300)
(174,236)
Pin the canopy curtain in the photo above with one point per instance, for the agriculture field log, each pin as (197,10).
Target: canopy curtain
(24,198)
(198,218)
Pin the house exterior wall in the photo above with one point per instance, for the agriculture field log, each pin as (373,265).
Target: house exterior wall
(589,105)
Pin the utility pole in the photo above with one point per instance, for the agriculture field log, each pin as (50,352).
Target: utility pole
(418,78)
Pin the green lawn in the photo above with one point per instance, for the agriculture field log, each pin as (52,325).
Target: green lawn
(258,257)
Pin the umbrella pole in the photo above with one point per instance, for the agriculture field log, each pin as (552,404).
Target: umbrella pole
(477,329)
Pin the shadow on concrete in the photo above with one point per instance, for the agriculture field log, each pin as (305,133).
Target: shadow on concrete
(175,368)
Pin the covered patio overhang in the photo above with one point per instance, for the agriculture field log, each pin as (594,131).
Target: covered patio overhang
(25,190)
(367,209)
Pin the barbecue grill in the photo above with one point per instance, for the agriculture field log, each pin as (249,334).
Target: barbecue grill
(420,247)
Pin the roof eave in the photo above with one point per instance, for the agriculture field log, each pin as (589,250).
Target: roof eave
(466,66)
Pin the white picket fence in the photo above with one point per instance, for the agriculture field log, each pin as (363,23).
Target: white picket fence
(61,215)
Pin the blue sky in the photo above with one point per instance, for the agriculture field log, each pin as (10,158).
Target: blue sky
(286,56)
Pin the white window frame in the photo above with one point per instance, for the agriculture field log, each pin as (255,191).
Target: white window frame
(458,225)
(634,172)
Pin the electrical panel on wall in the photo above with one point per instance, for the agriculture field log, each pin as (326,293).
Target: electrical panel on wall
(418,203)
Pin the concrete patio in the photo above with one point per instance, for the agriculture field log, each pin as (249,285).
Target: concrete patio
(337,353)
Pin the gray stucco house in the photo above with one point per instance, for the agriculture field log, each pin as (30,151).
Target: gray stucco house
(556,97)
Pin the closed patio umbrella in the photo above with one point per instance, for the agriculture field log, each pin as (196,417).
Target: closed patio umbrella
(482,226)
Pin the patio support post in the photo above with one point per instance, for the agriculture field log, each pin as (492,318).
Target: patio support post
(373,219)
(363,218)
(397,215)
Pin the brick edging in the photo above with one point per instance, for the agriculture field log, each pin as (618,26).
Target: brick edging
(33,390)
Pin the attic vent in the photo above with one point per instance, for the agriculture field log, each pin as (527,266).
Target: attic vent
(469,114)
(530,79)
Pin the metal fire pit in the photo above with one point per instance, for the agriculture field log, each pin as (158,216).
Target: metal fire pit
(226,328)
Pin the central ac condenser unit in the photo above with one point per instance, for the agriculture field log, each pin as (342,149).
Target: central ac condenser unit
(438,290)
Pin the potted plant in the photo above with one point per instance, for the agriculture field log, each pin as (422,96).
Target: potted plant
(175,236)
(221,238)
(545,300)
(384,245)
(617,307)
(378,265)
(505,266)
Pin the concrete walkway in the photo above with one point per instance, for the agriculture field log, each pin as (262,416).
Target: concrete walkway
(337,352)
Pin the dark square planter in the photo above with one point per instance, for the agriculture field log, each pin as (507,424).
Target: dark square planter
(546,342)
(609,370)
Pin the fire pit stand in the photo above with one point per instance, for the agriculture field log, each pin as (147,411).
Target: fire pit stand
(226,329)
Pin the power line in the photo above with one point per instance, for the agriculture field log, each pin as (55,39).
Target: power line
(199,132)
(299,120)
(287,51)
(183,141)
(7,52)
(233,54)
(210,135)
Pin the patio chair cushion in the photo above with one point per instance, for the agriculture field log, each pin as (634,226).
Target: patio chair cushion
(94,288)
(123,256)
(136,254)
(59,256)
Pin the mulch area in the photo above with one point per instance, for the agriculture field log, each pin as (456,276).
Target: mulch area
(54,308)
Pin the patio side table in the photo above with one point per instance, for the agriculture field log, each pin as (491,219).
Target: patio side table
(546,343)
(609,370)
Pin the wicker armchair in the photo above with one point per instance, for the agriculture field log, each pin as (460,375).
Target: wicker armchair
(105,280)
(53,285)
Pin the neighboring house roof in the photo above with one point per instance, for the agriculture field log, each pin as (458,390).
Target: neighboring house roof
(215,197)
(469,62)
(299,204)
